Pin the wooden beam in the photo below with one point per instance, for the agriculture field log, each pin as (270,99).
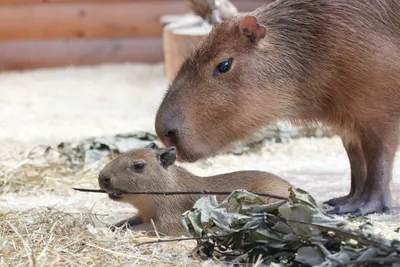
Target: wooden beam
(45,54)
(77,21)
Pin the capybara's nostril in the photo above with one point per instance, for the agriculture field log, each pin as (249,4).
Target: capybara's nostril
(171,135)
(106,180)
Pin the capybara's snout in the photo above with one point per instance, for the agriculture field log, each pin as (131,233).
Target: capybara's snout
(167,129)
(104,181)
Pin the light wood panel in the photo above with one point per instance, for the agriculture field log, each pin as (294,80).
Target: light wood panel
(78,20)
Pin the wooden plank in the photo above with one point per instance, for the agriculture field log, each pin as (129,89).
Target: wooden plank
(56,21)
(45,54)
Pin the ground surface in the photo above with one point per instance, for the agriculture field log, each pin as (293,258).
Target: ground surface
(50,224)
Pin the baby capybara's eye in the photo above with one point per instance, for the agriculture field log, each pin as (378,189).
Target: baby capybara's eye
(223,67)
(138,166)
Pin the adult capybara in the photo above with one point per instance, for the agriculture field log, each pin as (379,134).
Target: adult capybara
(336,62)
(153,169)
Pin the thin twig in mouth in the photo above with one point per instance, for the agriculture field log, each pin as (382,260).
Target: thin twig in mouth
(202,192)
(90,190)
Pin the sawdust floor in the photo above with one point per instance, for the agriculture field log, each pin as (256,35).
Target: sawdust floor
(49,106)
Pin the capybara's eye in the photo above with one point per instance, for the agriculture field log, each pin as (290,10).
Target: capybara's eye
(137,166)
(223,67)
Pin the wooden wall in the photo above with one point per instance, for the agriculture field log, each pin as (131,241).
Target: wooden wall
(50,33)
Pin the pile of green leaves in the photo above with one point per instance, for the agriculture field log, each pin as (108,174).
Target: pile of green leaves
(92,150)
(244,229)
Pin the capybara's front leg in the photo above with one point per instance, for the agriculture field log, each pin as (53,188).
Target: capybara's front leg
(134,223)
(358,172)
(379,144)
(146,227)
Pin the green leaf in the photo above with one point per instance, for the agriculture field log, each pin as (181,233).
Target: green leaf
(225,220)
(299,195)
(206,206)
(340,257)
(257,208)
(309,255)
(368,254)
(238,198)
(282,227)
(191,221)
(266,234)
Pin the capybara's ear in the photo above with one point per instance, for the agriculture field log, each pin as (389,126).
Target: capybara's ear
(250,28)
(151,145)
(168,156)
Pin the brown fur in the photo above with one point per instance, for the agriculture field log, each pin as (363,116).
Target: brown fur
(166,210)
(335,62)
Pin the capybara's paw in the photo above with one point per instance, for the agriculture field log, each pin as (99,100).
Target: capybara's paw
(361,208)
(115,227)
(119,225)
(337,201)
(349,208)
(371,207)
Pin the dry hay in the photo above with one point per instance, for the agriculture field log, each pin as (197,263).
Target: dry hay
(47,237)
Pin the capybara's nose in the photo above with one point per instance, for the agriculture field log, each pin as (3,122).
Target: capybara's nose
(171,136)
(167,133)
(166,127)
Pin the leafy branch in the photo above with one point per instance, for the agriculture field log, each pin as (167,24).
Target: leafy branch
(294,231)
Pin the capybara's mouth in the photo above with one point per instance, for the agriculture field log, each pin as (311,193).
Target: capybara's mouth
(182,156)
(190,156)
(116,195)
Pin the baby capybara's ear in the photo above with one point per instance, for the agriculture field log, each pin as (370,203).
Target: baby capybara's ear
(152,145)
(167,156)
(250,28)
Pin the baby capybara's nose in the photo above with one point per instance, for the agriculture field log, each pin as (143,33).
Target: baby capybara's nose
(104,180)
